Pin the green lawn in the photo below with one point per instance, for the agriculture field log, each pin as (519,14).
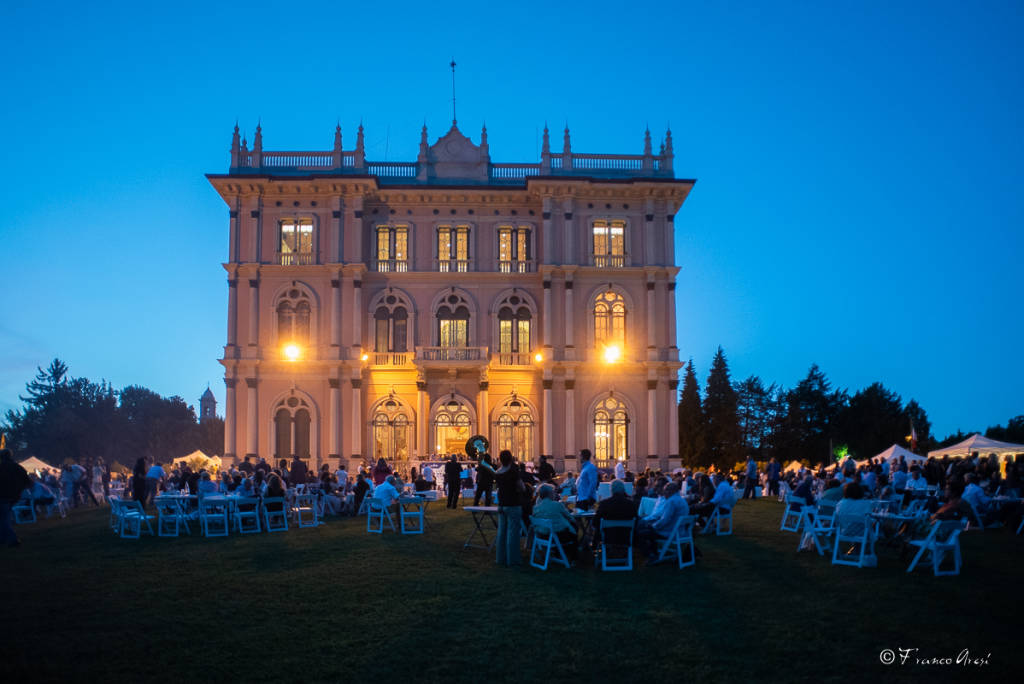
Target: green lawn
(336,604)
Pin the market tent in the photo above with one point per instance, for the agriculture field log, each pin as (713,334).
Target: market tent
(793,467)
(892,455)
(33,463)
(197,460)
(977,443)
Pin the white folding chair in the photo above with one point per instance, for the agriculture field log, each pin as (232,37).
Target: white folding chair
(784,490)
(608,561)
(721,522)
(823,525)
(132,517)
(604,490)
(168,517)
(976,521)
(247,515)
(213,517)
(943,539)
(275,514)
(545,539)
(646,506)
(681,536)
(791,517)
(378,515)
(304,507)
(24,511)
(859,532)
(411,522)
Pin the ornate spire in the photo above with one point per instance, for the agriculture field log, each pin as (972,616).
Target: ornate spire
(337,136)
(360,152)
(336,157)
(546,142)
(483,141)
(667,156)
(234,147)
(647,141)
(668,141)
(566,146)
(422,158)
(257,140)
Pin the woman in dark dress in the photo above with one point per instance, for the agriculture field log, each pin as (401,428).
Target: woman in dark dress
(139,482)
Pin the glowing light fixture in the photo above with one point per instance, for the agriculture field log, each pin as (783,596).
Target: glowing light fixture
(292,352)
(612,353)
(538,357)
(365,357)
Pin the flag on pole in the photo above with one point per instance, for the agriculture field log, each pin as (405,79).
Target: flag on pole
(913,437)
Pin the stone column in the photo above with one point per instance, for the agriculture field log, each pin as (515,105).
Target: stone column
(570,321)
(650,244)
(569,233)
(546,446)
(357,418)
(357,317)
(254,314)
(652,408)
(422,417)
(672,316)
(335,314)
(356,227)
(482,412)
(252,443)
(670,239)
(334,420)
(233,233)
(546,323)
(337,248)
(570,448)
(232,312)
(673,419)
(652,319)
(548,238)
(229,418)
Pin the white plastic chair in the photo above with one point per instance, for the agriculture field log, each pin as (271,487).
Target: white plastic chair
(545,539)
(168,518)
(275,514)
(407,519)
(604,490)
(131,517)
(943,539)
(976,522)
(24,512)
(859,532)
(646,506)
(213,516)
(823,525)
(721,521)
(682,535)
(792,516)
(304,508)
(247,515)
(378,515)
(608,562)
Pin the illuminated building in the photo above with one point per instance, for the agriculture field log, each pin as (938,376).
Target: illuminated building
(393,309)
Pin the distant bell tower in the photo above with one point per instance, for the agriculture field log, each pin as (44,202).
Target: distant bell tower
(207,406)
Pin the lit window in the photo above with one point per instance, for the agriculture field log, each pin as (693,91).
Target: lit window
(610,243)
(453,249)
(296,247)
(514,249)
(514,330)
(293,318)
(392,249)
(611,432)
(610,319)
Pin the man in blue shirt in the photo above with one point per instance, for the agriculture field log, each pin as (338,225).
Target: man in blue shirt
(774,473)
(586,483)
(660,524)
(748,491)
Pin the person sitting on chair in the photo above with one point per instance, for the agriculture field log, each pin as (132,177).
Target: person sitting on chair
(547,508)
(723,498)
(386,493)
(660,525)
(546,471)
(618,506)
(853,501)
(359,492)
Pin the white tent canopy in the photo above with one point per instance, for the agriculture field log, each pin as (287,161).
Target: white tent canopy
(33,463)
(977,443)
(793,466)
(892,455)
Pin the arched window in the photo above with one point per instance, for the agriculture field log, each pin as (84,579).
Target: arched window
(390,327)
(611,432)
(391,432)
(292,428)
(453,322)
(294,312)
(515,426)
(610,319)
(452,424)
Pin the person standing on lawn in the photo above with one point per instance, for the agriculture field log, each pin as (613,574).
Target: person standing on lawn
(453,481)
(748,491)
(510,508)
(13,481)
(586,483)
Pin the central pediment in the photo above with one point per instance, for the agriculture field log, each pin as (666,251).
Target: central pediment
(455,156)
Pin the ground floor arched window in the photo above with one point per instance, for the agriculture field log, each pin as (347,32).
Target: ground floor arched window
(292,427)
(515,430)
(391,432)
(452,425)
(611,432)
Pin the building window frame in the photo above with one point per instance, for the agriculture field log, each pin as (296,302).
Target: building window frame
(609,242)
(514,247)
(453,247)
(296,240)
(391,247)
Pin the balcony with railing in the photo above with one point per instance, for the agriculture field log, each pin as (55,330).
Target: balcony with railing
(453,265)
(451,354)
(611,260)
(429,168)
(517,359)
(295,258)
(515,266)
(391,265)
(390,359)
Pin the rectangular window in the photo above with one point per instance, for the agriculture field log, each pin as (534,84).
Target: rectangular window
(392,249)
(609,243)
(523,329)
(504,336)
(381,335)
(296,247)
(514,249)
(454,332)
(453,249)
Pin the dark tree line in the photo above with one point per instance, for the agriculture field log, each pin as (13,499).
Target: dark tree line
(73,419)
(807,422)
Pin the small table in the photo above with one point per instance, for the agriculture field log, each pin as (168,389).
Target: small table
(900,530)
(585,522)
(481,513)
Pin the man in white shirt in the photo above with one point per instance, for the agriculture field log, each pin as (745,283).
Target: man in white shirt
(620,471)
(386,492)
(154,477)
(342,477)
(428,476)
(916,482)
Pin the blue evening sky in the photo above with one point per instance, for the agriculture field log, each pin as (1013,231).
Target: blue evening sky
(859,170)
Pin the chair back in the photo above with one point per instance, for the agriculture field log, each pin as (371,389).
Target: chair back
(647,506)
(852,525)
(617,525)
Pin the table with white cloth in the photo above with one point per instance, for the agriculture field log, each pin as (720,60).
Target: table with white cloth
(481,514)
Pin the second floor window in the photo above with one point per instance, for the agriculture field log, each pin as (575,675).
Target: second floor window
(296,247)
(392,249)
(514,249)
(293,314)
(453,249)
(390,329)
(453,326)
(610,319)
(514,330)
(610,243)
